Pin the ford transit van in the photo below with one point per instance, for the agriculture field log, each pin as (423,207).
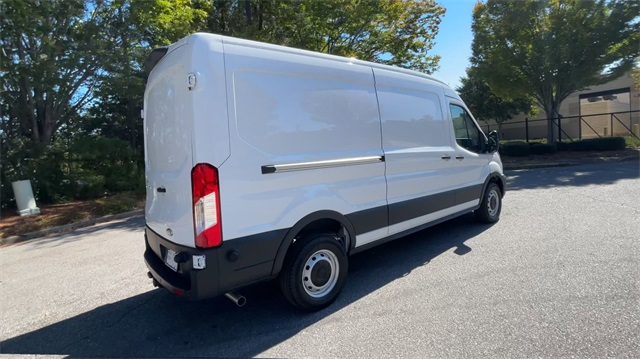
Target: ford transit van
(267,162)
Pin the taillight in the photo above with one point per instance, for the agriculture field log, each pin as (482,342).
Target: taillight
(205,190)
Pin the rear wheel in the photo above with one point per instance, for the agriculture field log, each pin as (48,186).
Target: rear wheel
(490,205)
(314,272)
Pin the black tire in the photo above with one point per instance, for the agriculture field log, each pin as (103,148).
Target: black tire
(490,205)
(320,258)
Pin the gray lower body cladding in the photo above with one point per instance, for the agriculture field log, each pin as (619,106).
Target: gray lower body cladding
(236,263)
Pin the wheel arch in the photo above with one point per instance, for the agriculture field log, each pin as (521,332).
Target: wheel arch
(311,223)
(497,178)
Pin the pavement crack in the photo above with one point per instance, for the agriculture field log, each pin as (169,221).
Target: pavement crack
(112,324)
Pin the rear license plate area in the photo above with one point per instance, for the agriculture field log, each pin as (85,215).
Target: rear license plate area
(170,259)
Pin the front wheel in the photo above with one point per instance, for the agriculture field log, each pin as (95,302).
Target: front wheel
(314,272)
(490,205)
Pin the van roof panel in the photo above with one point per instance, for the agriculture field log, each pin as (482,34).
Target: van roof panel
(292,50)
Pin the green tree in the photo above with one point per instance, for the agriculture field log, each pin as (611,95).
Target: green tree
(162,22)
(57,55)
(136,28)
(394,32)
(635,74)
(486,106)
(51,52)
(547,49)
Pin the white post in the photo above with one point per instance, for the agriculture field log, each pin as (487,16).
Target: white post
(24,198)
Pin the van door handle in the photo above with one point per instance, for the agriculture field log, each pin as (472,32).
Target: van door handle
(459,157)
(446,157)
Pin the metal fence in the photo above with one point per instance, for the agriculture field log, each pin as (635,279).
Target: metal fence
(624,123)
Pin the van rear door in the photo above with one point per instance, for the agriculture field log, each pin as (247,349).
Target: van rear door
(168,129)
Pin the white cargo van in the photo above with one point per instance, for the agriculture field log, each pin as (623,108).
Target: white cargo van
(267,162)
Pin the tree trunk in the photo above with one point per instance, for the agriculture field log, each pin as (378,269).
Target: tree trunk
(49,121)
(247,9)
(551,110)
(550,126)
(260,9)
(130,114)
(29,111)
(132,122)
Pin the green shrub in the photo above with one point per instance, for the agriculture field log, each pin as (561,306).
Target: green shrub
(632,141)
(111,158)
(139,186)
(85,168)
(580,145)
(562,146)
(515,149)
(542,149)
(39,165)
(84,185)
(599,144)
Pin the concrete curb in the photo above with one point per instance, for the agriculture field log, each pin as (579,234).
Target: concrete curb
(70,227)
(526,166)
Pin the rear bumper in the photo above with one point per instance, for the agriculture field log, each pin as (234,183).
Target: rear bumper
(235,264)
(191,283)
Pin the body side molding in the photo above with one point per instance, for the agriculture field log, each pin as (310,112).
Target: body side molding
(302,166)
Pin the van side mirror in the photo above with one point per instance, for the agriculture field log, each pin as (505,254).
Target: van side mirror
(494,141)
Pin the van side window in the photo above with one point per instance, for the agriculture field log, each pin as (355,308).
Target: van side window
(467,133)
(411,118)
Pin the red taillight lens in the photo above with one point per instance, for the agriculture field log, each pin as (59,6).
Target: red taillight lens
(205,190)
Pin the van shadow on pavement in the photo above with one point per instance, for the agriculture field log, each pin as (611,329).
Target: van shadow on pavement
(159,324)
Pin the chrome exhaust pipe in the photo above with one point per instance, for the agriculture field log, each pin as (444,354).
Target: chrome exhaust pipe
(236,298)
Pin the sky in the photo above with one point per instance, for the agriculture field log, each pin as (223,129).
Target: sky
(453,42)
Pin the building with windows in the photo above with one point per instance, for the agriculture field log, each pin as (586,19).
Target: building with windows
(611,109)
